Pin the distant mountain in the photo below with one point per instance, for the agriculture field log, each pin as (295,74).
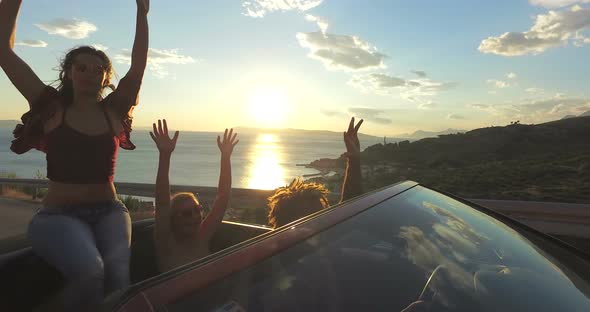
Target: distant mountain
(585,114)
(569,116)
(8,123)
(421,134)
(292,131)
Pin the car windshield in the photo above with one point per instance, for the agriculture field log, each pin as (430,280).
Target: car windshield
(419,246)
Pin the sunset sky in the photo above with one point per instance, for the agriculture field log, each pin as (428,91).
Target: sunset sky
(400,65)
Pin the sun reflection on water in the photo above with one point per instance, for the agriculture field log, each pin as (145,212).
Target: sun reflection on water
(265,172)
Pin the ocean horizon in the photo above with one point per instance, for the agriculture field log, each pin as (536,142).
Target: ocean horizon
(261,160)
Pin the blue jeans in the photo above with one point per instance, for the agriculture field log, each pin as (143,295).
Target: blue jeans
(89,244)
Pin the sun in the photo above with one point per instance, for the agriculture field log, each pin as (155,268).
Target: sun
(269,106)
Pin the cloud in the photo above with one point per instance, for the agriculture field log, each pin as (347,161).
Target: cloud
(322,24)
(539,110)
(331,113)
(479,106)
(157,59)
(455,117)
(32,43)
(554,29)
(370,114)
(68,28)
(498,83)
(553,4)
(259,8)
(427,105)
(100,47)
(419,73)
(386,81)
(511,75)
(341,51)
(557,106)
(534,90)
(414,90)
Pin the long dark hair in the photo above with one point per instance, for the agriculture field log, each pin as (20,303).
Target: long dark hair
(65,87)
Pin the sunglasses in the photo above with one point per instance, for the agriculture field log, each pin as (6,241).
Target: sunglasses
(187,213)
(94,68)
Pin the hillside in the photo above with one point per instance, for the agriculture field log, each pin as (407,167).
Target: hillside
(421,134)
(549,162)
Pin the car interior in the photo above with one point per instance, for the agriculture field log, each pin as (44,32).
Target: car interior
(27,280)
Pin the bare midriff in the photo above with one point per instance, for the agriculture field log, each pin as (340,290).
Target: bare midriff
(60,194)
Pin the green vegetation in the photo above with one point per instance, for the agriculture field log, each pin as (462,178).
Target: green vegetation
(133,204)
(32,191)
(545,162)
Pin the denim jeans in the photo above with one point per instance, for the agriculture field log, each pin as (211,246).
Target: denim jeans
(89,244)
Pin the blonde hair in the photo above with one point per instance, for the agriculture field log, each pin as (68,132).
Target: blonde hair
(285,203)
(182,197)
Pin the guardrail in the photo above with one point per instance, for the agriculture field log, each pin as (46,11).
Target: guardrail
(245,197)
(561,219)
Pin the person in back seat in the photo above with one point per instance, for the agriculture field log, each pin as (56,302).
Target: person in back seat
(300,199)
(181,235)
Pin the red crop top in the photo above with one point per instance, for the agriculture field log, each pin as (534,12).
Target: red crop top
(74,157)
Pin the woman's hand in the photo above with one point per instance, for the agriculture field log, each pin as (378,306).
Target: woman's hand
(351,139)
(143,6)
(226,146)
(160,136)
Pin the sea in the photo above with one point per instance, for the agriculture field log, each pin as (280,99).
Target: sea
(261,160)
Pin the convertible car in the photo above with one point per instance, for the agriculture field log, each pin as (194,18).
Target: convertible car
(405,247)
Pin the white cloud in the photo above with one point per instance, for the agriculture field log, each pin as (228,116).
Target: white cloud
(341,51)
(511,75)
(157,59)
(259,8)
(534,90)
(455,116)
(32,43)
(479,106)
(538,110)
(498,83)
(370,114)
(322,24)
(556,28)
(427,105)
(554,108)
(382,81)
(552,4)
(331,113)
(100,47)
(415,90)
(68,28)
